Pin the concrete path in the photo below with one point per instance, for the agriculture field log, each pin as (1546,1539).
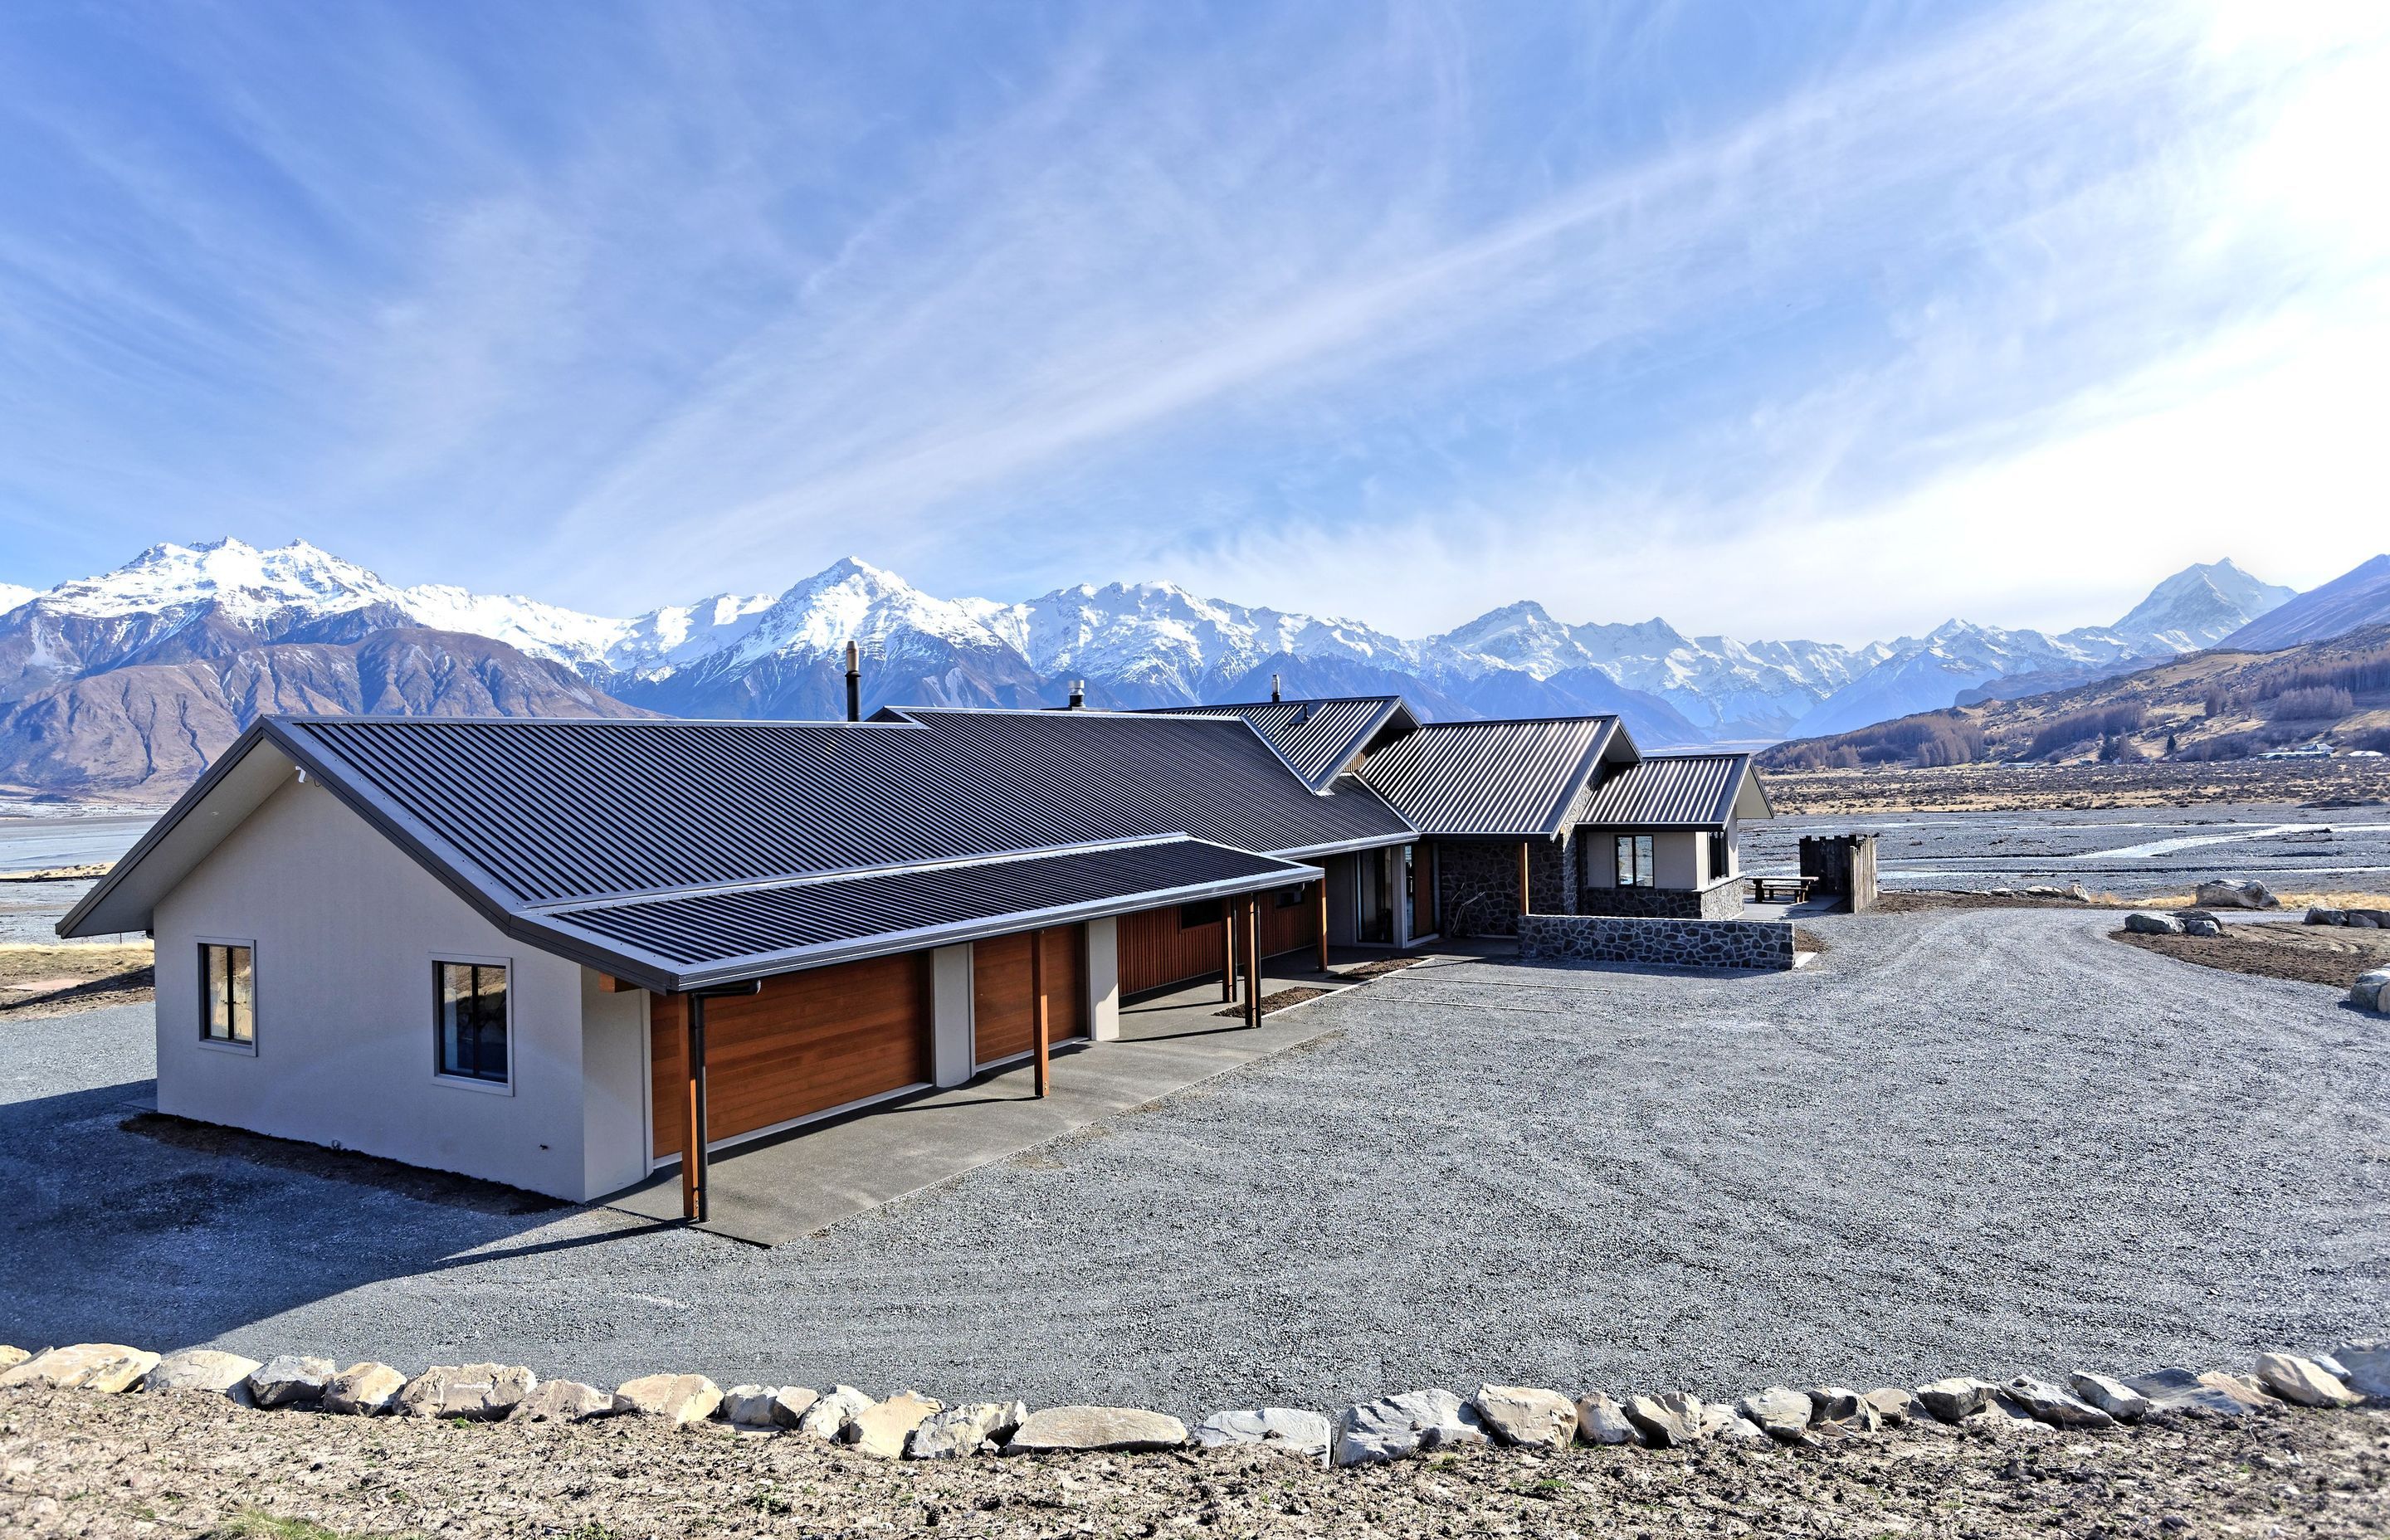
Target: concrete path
(801,1182)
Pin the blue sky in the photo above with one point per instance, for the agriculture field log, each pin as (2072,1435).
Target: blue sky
(1816,319)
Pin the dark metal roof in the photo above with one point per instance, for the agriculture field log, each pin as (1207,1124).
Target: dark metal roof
(1512,779)
(1320,738)
(717,935)
(1666,790)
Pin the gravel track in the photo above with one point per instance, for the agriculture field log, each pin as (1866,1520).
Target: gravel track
(1971,1140)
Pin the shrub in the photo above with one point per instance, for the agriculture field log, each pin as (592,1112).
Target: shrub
(2060,734)
(2316,702)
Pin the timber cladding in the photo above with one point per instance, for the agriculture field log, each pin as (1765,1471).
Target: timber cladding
(1159,947)
(810,1041)
(1004,1010)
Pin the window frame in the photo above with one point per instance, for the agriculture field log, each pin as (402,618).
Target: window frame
(1634,862)
(1217,912)
(207,1000)
(472,1083)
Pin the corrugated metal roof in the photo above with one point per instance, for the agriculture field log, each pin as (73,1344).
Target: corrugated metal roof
(1491,778)
(1320,738)
(705,936)
(1661,790)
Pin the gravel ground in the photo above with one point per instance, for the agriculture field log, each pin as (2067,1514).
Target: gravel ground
(1988,1141)
(74,1464)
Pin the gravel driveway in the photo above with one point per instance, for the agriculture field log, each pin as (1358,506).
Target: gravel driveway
(1984,1140)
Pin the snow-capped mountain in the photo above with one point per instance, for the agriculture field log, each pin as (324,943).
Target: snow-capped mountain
(14,594)
(2198,608)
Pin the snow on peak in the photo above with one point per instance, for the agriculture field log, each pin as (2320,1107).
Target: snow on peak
(14,594)
(248,583)
(2198,606)
(851,601)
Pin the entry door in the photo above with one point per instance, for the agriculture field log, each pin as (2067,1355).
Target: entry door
(1004,1010)
(1377,890)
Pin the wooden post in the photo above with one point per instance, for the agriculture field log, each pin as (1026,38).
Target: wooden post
(1252,962)
(1323,925)
(1526,906)
(1037,988)
(693,1172)
(1227,953)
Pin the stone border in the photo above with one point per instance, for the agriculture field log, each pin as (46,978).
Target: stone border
(910,1426)
(1749,943)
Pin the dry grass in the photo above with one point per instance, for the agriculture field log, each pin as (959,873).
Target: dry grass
(2290,901)
(43,980)
(58,873)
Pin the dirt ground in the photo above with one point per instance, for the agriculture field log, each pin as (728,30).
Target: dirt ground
(2312,953)
(1996,788)
(51,980)
(72,1464)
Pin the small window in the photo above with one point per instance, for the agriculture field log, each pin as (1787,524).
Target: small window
(228,983)
(1294,898)
(1207,912)
(472,1021)
(1634,861)
(1721,852)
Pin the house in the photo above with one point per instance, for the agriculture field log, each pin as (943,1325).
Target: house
(542,952)
(1564,810)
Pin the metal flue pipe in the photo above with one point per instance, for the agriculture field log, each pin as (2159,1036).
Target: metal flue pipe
(854,683)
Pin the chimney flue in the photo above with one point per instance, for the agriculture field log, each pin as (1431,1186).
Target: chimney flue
(854,683)
(1078,694)
(1273,687)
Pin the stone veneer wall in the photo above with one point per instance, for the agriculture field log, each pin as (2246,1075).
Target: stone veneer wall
(1478,883)
(1721,900)
(1667,942)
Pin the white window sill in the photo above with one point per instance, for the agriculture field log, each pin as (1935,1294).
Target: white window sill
(218,1045)
(487,1088)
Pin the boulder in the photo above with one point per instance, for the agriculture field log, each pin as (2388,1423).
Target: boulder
(363,1390)
(2060,1409)
(880,1429)
(1741,1430)
(2302,1382)
(1055,1429)
(2176,1389)
(2142,924)
(291,1381)
(2367,1363)
(960,1432)
(2112,1396)
(1285,1429)
(2235,895)
(203,1371)
(2370,919)
(107,1368)
(480,1392)
(828,1416)
(1953,1400)
(562,1401)
(2371,991)
(2195,923)
(2317,915)
(1832,1403)
(1890,1404)
(748,1406)
(2004,1415)
(1602,1421)
(2240,1388)
(11,1357)
(1394,1425)
(1779,1412)
(1526,1417)
(1667,1421)
(679,1399)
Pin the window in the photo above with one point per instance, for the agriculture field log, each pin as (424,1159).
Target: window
(1294,898)
(472,1019)
(1207,912)
(1721,851)
(1634,861)
(228,985)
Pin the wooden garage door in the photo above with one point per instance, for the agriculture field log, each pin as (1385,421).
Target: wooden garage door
(1004,1014)
(810,1041)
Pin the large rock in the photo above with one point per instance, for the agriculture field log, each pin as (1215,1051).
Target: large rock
(291,1379)
(1667,1421)
(11,1357)
(2196,922)
(203,1371)
(562,1401)
(1953,1400)
(2371,991)
(107,1368)
(480,1392)
(2235,895)
(960,1432)
(1394,1426)
(679,1399)
(828,1416)
(748,1406)
(2143,924)
(2056,1407)
(1602,1421)
(1779,1412)
(880,1429)
(1284,1429)
(2175,1390)
(2366,1361)
(2301,1381)
(2241,1388)
(2112,1396)
(363,1390)
(1526,1416)
(2317,915)
(1056,1428)
(1892,1405)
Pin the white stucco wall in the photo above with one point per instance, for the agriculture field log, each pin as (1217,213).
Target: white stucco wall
(1103,980)
(346,928)
(950,1015)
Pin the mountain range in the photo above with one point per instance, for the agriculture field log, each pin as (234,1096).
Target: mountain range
(130,681)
